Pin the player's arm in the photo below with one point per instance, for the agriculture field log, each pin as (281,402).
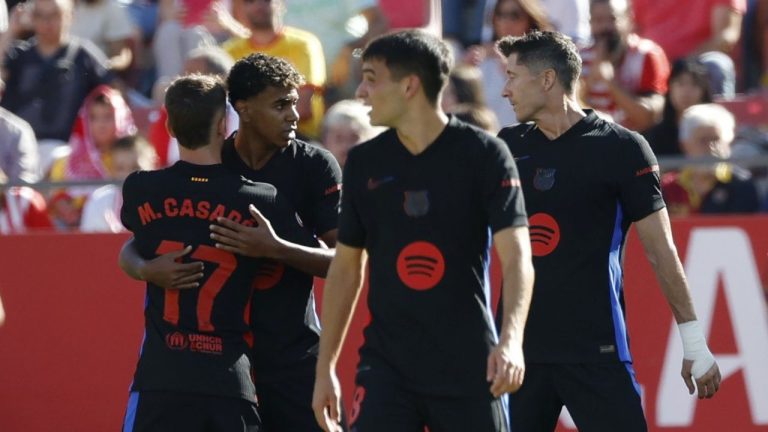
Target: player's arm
(506,366)
(342,289)
(164,271)
(656,235)
(261,241)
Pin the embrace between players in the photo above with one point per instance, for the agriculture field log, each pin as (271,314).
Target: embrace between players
(232,341)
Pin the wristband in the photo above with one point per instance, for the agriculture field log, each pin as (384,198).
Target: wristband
(695,348)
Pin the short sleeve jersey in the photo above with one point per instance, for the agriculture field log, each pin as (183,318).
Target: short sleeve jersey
(426,222)
(197,340)
(582,192)
(284,321)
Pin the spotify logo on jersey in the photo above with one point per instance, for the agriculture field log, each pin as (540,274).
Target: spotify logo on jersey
(545,234)
(420,265)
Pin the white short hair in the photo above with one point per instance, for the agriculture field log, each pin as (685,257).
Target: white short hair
(352,113)
(710,114)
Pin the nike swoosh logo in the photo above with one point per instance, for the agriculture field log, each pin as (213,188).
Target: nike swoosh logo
(521,158)
(374,184)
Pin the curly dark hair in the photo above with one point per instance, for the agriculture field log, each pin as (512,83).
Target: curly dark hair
(252,74)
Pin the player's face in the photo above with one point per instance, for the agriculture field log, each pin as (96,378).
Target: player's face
(524,90)
(271,116)
(382,92)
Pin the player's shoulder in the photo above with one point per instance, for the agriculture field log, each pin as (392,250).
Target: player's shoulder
(616,134)
(374,146)
(473,137)
(302,150)
(516,132)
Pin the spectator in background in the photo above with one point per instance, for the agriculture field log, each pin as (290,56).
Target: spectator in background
(207,60)
(175,37)
(101,212)
(464,97)
(342,26)
(103,119)
(509,18)
(477,115)
(19,159)
(107,24)
(346,124)
(687,28)
(707,130)
(49,76)
(300,48)
(623,74)
(22,209)
(570,17)
(688,85)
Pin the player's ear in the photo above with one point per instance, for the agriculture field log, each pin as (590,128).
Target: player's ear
(550,79)
(242,109)
(168,127)
(412,85)
(222,125)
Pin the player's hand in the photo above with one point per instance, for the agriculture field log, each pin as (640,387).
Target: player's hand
(707,384)
(326,402)
(166,271)
(506,368)
(259,241)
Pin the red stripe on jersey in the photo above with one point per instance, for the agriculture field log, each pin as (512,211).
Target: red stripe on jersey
(332,189)
(171,306)
(510,183)
(650,169)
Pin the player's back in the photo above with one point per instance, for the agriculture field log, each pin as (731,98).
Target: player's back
(195,340)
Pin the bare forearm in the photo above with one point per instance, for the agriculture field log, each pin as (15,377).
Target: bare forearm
(514,250)
(517,288)
(656,235)
(130,261)
(342,290)
(671,277)
(312,260)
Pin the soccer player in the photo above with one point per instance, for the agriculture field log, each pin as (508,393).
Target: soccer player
(193,373)
(264,91)
(586,181)
(422,200)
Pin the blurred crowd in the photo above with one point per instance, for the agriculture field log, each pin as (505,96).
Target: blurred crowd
(83,80)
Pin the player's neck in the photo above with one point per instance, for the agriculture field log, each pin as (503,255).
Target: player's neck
(206,155)
(420,127)
(555,120)
(253,150)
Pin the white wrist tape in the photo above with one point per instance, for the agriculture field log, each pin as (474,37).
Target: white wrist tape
(695,348)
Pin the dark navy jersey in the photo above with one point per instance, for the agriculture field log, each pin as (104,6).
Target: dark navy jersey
(284,321)
(196,340)
(426,222)
(582,192)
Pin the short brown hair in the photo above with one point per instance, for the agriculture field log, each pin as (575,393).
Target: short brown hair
(194,104)
(540,50)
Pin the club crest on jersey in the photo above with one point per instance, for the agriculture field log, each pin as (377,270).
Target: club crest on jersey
(544,179)
(416,203)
